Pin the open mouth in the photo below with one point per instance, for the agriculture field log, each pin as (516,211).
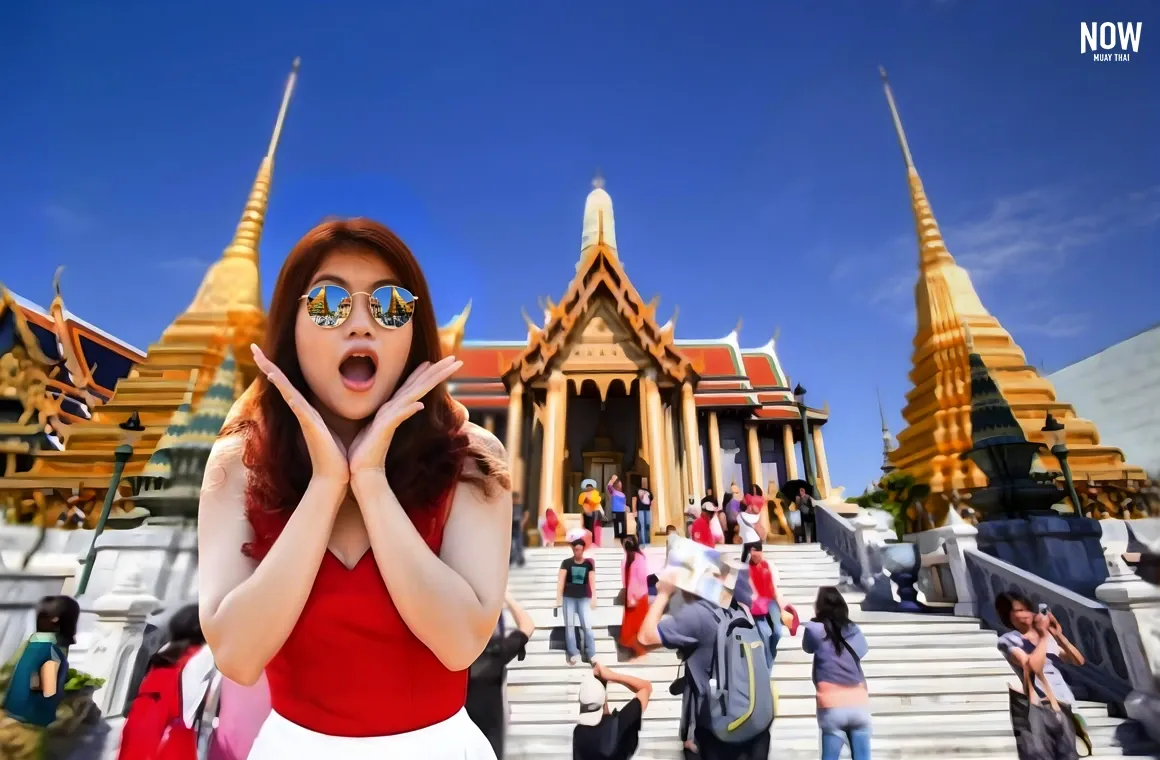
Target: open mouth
(358,371)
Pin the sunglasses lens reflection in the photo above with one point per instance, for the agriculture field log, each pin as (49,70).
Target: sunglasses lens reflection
(328,305)
(392,306)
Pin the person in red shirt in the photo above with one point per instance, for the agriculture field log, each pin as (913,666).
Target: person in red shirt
(353,527)
(701,530)
(767,605)
(155,726)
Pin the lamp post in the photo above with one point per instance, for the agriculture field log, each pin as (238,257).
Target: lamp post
(131,430)
(1056,436)
(799,398)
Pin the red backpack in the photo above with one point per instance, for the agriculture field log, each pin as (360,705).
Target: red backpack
(155,728)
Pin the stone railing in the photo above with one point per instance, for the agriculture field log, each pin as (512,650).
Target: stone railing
(860,548)
(1118,632)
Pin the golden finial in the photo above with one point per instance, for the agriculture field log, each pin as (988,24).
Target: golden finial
(968,337)
(897,119)
(600,226)
(533,328)
(249,231)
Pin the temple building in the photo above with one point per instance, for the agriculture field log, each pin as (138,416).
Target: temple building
(938,406)
(602,388)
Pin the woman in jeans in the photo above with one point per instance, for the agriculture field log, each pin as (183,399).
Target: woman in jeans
(838,647)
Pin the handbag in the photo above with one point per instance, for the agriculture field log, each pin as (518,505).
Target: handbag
(620,599)
(1042,731)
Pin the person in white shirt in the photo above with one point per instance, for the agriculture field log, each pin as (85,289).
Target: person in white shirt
(749,522)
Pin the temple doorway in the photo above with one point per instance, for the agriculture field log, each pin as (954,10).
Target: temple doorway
(602,439)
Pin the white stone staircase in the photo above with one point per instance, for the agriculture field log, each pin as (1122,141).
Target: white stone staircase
(938,684)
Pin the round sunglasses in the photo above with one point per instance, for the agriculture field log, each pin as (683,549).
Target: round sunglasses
(391,306)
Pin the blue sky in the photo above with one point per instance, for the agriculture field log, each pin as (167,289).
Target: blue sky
(747,148)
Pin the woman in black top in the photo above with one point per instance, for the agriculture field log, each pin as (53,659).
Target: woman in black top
(485,693)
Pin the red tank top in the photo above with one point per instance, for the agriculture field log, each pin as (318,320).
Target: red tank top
(351,666)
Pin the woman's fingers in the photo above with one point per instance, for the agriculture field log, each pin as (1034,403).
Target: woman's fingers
(423,383)
(279,380)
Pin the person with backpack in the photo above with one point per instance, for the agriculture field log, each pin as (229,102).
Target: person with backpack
(155,728)
(838,647)
(727,693)
(485,685)
(603,734)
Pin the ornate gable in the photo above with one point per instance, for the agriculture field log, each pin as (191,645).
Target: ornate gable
(600,299)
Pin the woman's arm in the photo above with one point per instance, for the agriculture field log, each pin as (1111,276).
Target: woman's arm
(523,620)
(248,609)
(1068,652)
(48,675)
(812,635)
(560,586)
(451,601)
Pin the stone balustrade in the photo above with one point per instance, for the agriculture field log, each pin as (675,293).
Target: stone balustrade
(863,551)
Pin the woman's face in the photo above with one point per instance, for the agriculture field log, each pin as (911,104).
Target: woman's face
(354,368)
(1021,616)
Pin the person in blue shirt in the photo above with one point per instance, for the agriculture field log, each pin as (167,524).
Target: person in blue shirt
(38,679)
(843,702)
(618,504)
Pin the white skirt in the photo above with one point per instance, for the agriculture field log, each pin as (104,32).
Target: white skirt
(456,738)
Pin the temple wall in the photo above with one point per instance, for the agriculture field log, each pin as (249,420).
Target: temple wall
(734,456)
(1118,389)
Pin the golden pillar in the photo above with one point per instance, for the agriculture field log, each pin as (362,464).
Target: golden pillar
(791,470)
(489,423)
(656,455)
(555,406)
(694,468)
(644,444)
(515,429)
(715,457)
(823,470)
(755,476)
(673,487)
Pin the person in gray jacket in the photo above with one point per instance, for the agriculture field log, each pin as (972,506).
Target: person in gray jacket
(838,647)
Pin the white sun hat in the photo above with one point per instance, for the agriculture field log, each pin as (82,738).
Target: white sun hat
(593,695)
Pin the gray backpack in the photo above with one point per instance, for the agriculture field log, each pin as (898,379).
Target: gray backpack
(739,705)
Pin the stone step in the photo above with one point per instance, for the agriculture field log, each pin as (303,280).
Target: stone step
(870,622)
(999,724)
(785,671)
(919,657)
(611,580)
(540,641)
(915,687)
(546,598)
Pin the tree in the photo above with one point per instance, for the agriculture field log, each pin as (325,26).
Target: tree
(899,495)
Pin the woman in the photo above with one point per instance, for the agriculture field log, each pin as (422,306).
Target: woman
(751,523)
(634,573)
(354,529)
(618,504)
(590,502)
(549,524)
(838,647)
(155,727)
(36,685)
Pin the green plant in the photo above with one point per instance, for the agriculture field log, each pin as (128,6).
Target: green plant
(897,494)
(78,681)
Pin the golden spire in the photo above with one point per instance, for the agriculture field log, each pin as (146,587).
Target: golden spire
(931,248)
(234,281)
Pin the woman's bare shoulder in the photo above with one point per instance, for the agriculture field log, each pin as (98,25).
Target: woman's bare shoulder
(226,465)
(484,439)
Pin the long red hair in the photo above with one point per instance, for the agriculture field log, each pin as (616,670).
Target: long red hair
(429,451)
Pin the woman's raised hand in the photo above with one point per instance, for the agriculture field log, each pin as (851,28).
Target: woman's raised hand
(368,452)
(327,455)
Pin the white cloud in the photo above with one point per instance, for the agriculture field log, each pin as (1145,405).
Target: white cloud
(63,217)
(1059,325)
(184,264)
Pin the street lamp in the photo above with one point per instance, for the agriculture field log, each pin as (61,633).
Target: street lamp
(131,431)
(799,398)
(1055,434)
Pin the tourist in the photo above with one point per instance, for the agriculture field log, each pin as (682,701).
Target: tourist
(486,700)
(767,602)
(519,530)
(805,509)
(603,734)
(730,509)
(241,711)
(591,502)
(617,503)
(838,647)
(692,512)
(576,596)
(642,508)
(36,685)
(691,628)
(350,475)
(549,524)
(634,573)
(155,727)
(701,530)
(1036,643)
(751,525)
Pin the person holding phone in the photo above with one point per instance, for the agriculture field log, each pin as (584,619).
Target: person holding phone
(1036,638)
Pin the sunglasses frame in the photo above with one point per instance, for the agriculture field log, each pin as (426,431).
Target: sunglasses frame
(306,296)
